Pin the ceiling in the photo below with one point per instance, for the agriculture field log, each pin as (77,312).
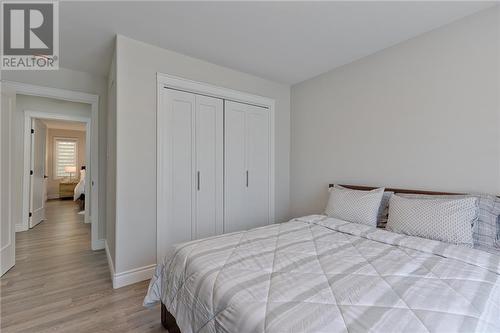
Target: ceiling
(286,42)
(64,124)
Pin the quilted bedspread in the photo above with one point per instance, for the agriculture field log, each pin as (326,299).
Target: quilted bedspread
(319,274)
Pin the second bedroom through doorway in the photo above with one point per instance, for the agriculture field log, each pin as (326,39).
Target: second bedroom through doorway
(52,159)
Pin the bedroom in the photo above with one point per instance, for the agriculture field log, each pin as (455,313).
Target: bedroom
(379,94)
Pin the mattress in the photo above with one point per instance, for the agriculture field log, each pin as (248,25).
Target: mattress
(319,274)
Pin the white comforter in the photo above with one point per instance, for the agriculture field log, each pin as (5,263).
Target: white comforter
(318,274)
(80,187)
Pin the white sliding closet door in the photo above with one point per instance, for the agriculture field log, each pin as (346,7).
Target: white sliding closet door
(258,166)
(246,166)
(190,167)
(176,167)
(209,167)
(235,194)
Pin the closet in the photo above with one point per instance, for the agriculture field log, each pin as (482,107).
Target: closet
(214,166)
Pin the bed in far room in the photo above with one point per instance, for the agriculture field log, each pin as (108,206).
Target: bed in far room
(79,192)
(322,273)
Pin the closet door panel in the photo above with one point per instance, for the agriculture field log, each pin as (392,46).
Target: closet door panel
(257,146)
(179,165)
(209,166)
(235,201)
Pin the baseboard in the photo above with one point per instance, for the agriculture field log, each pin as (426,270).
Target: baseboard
(21,227)
(98,244)
(133,276)
(128,277)
(110,262)
(52,196)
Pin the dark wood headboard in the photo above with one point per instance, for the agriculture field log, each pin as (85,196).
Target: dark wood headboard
(400,190)
(396,190)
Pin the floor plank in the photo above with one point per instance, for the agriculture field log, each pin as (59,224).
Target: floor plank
(60,285)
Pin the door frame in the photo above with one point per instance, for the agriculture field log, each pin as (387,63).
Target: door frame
(92,149)
(29,116)
(7,251)
(201,88)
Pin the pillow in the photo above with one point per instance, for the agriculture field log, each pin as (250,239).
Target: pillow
(446,220)
(383,210)
(354,205)
(486,230)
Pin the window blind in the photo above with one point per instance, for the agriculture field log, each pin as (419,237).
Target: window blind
(65,155)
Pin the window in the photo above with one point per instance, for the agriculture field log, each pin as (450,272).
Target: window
(65,155)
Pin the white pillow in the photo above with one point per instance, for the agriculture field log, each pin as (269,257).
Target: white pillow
(354,205)
(446,220)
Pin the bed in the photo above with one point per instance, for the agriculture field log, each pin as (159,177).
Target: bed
(79,192)
(322,274)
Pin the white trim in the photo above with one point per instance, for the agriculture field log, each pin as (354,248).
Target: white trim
(159,166)
(110,261)
(133,276)
(41,91)
(99,244)
(128,277)
(175,82)
(203,88)
(92,132)
(272,174)
(20,227)
(52,196)
(8,250)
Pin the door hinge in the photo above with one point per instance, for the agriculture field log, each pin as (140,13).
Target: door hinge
(31,172)
(30,214)
(32,131)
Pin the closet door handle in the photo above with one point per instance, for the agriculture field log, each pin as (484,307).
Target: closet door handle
(247,178)
(198,180)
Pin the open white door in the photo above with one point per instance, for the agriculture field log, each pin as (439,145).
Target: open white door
(37,187)
(46,165)
(7,229)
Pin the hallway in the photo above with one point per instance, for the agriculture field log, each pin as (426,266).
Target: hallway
(60,285)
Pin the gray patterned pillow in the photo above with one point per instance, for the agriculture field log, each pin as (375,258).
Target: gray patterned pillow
(447,220)
(354,205)
(486,230)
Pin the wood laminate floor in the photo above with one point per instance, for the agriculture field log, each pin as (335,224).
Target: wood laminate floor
(60,285)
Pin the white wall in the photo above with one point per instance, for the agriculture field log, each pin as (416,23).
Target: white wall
(40,104)
(83,82)
(52,133)
(424,114)
(137,65)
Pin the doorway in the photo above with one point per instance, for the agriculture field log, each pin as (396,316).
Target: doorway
(58,155)
(16,123)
